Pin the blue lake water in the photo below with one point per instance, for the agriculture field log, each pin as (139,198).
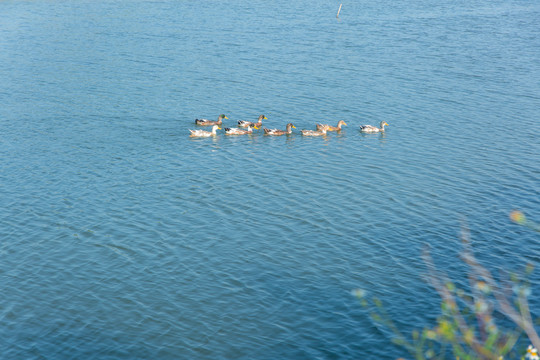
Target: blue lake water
(124,238)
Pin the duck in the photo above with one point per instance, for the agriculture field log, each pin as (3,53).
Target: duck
(203,133)
(333,128)
(277,132)
(372,129)
(205,122)
(237,131)
(322,131)
(244,123)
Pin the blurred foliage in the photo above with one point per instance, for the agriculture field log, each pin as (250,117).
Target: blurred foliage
(474,322)
(520,218)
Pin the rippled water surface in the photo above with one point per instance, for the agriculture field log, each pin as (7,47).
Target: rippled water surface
(122,237)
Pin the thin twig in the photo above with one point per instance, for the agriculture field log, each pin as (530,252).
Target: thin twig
(339,10)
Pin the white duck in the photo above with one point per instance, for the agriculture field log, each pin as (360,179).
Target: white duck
(203,133)
(237,131)
(322,131)
(373,129)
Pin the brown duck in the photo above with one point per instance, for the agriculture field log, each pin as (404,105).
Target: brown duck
(332,128)
(243,123)
(277,132)
(206,122)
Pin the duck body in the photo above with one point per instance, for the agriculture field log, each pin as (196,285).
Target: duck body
(204,133)
(237,131)
(243,123)
(206,122)
(278,132)
(332,128)
(373,129)
(322,131)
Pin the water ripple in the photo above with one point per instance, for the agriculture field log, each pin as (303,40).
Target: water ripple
(125,238)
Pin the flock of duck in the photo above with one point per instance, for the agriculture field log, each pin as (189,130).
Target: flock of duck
(247,127)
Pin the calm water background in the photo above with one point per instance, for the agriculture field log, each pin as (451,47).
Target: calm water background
(121,237)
